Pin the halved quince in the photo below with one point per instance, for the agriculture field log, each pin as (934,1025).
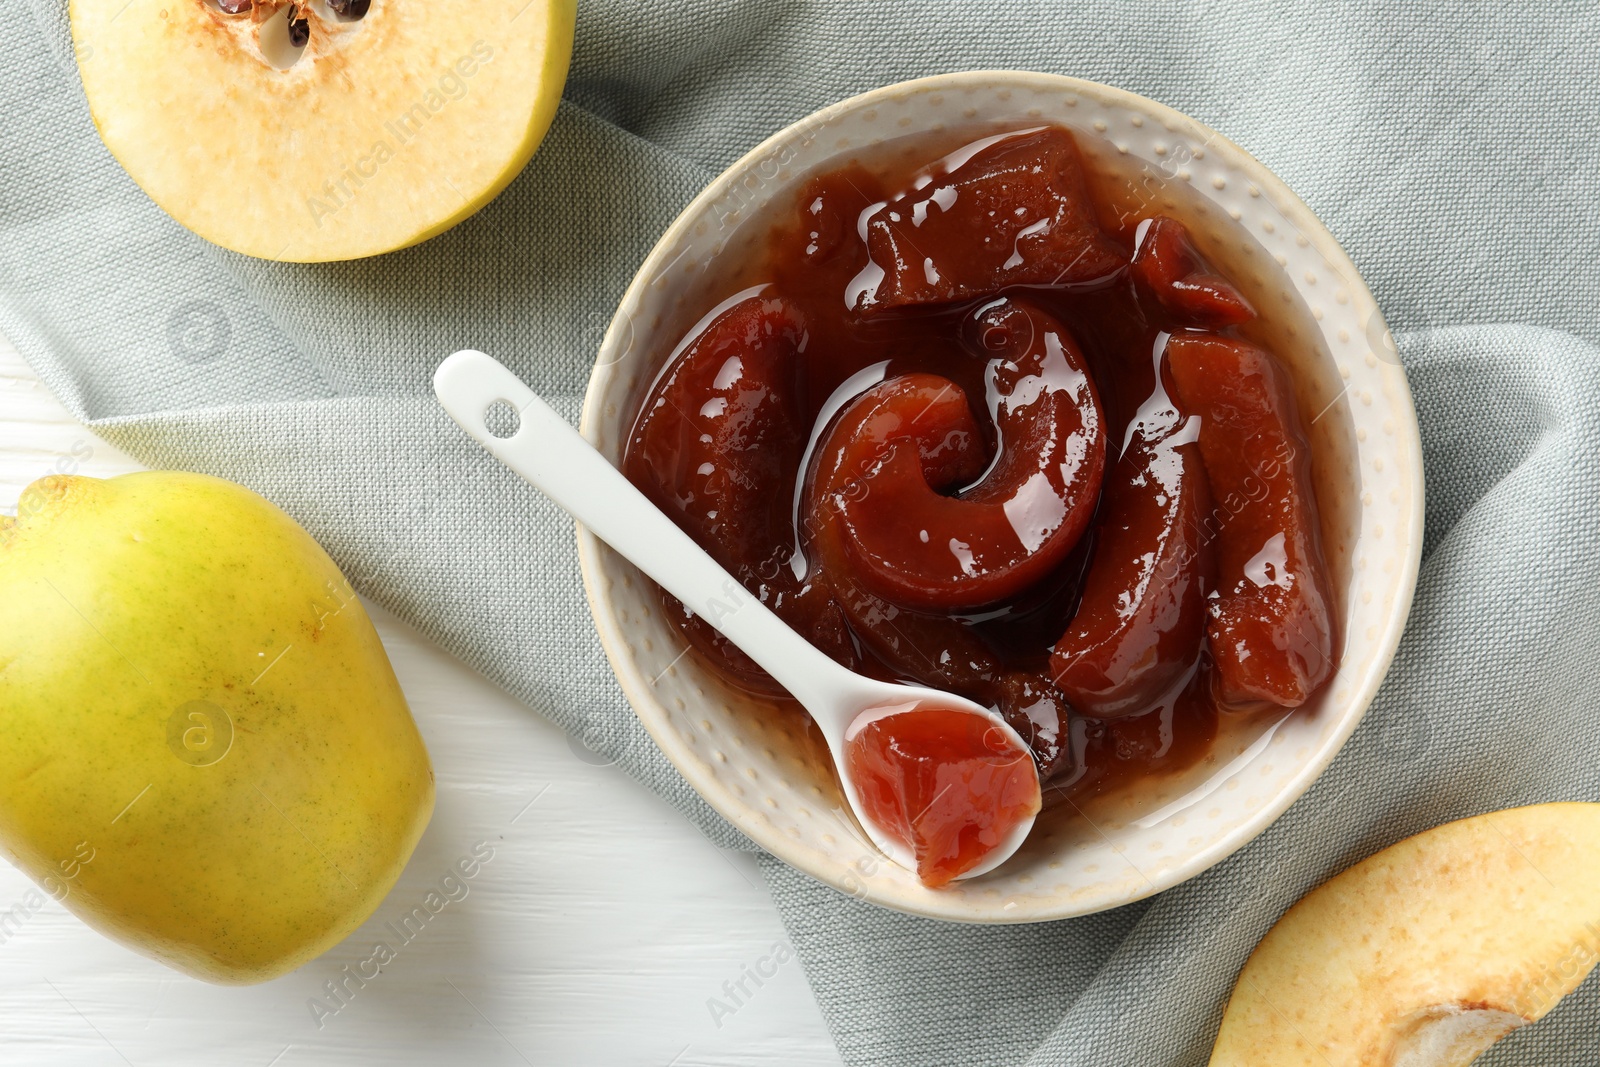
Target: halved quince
(308,132)
(1429,952)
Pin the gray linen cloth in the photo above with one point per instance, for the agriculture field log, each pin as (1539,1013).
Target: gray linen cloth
(1451,148)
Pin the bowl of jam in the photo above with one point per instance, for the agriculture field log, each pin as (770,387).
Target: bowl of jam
(1034,391)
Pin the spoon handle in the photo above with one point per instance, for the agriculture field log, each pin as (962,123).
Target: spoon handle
(547,452)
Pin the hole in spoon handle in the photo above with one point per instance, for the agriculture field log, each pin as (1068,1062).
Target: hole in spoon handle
(469,383)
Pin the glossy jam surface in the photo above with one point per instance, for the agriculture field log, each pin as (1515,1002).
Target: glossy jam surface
(1270,633)
(959,424)
(948,784)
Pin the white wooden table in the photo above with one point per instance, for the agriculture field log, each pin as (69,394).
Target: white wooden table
(596,934)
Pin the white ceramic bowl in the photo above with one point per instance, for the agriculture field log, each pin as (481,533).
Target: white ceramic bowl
(758,769)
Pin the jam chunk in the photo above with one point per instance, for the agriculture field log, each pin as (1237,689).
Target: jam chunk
(925,416)
(913,535)
(1006,210)
(1168,267)
(947,784)
(1139,628)
(719,435)
(1271,627)
(716,447)
(1033,707)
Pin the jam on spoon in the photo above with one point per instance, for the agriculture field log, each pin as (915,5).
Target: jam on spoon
(945,783)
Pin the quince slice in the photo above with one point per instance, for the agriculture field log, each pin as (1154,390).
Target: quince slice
(1429,952)
(308,132)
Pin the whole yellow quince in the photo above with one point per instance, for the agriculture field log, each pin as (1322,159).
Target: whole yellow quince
(204,752)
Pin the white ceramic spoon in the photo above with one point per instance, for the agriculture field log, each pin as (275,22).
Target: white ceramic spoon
(550,454)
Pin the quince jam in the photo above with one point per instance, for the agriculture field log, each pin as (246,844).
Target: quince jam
(957,429)
(949,785)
